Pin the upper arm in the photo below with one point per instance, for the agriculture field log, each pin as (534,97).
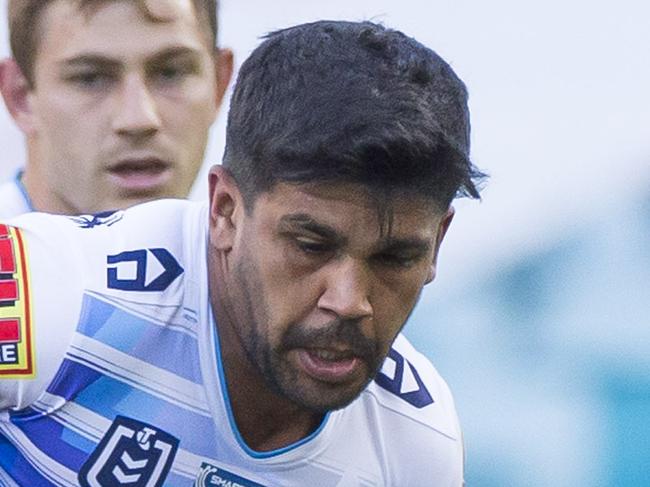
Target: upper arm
(40,300)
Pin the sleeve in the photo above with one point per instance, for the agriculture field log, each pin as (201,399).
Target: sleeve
(40,301)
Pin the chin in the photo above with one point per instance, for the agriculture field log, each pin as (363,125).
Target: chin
(326,398)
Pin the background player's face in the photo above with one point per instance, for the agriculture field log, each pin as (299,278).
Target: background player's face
(121,106)
(320,292)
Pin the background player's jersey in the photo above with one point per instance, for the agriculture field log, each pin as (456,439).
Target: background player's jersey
(13,198)
(110,372)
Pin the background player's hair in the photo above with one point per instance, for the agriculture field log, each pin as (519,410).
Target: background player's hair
(350,102)
(25,32)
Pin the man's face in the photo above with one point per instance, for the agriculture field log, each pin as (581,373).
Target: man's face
(121,104)
(319,291)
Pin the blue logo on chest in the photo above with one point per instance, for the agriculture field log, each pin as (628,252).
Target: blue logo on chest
(171,269)
(417,396)
(131,454)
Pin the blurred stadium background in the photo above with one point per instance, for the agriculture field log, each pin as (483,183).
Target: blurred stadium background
(540,315)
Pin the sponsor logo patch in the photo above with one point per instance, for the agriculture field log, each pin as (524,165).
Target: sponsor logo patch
(131,453)
(16,340)
(211,476)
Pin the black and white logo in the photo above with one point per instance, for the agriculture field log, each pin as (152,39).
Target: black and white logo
(212,476)
(131,454)
(107,218)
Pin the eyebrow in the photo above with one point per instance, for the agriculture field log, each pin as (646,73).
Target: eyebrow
(96,59)
(174,52)
(392,244)
(90,60)
(306,222)
(386,244)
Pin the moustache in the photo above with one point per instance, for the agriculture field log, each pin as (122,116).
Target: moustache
(340,333)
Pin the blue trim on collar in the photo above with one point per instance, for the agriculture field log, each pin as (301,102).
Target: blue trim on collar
(231,417)
(23,190)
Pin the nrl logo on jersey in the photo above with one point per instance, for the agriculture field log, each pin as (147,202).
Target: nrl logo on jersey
(211,476)
(132,454)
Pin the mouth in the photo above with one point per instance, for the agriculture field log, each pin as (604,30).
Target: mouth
(328,365)
(140,175)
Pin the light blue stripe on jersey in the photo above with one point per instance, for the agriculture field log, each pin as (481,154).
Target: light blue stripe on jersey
(18,179)
(173,479)
(174,350)
(110,397)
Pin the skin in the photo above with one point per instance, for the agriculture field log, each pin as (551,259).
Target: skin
(121,105)
(309,295)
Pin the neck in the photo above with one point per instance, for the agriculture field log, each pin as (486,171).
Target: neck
(264,418)
(40,196)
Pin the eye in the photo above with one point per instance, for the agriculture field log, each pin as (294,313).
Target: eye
(91,80)
(311,246)
(173,72)
(397,260)
(169,73)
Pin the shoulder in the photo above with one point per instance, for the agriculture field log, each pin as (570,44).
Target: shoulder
(415,411)
(141,251)
(60,259)
(409,386)
(149,223)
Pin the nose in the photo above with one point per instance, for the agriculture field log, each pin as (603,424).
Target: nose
(136,113)
(347,291)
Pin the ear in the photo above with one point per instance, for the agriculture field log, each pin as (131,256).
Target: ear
(226,208)
(15,92)
(223,61)
(443,226)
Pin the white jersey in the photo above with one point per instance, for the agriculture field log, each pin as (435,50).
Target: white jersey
(13,198)
(111,374)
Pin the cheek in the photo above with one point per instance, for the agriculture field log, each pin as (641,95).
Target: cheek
(69,125)
(53,116)
(393,305)
(68,147)
(291,289)
(187,128)
(191,111)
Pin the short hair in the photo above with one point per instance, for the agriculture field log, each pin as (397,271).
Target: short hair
(25,34)
(355,102)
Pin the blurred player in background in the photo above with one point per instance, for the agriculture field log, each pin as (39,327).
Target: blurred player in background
(115,99)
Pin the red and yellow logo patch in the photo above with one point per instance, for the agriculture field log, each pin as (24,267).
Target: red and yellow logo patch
(16,340)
